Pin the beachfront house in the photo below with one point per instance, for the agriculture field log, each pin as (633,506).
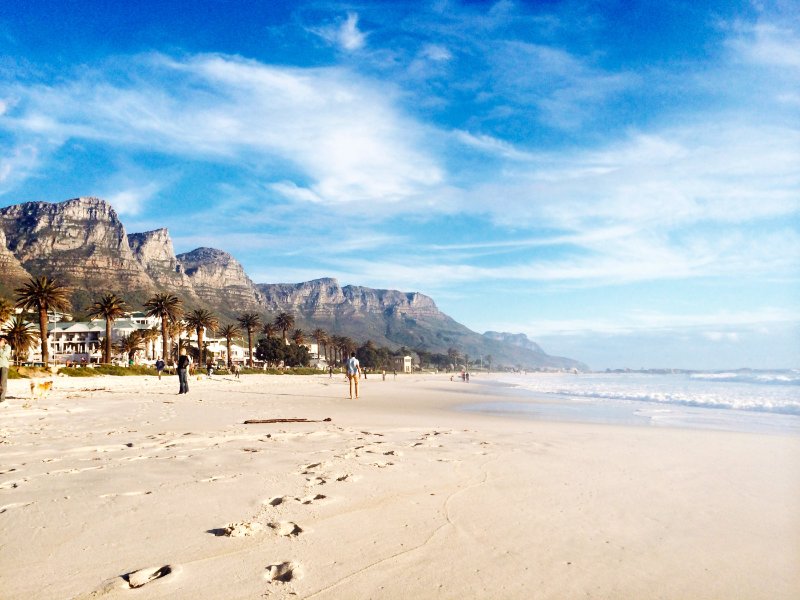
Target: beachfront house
(403,364)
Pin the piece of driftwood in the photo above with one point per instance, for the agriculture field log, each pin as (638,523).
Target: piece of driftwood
(254,421)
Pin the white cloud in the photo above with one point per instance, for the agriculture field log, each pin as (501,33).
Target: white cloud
(566,88)
(131,201)
(767,44)
(17,164)
(346,34)
(342,134)
(717,326)
(492,146)
(724,173)
(436,52)
(349,36)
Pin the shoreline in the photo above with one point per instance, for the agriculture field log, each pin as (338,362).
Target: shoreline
(520,402)
(400,495)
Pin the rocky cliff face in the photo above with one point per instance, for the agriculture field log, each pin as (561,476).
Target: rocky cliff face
(215,274)
(12,273)
(515,339)
(156,255)
(324,298)
(81,242)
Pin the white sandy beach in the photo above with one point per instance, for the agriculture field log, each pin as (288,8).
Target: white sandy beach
(397,496)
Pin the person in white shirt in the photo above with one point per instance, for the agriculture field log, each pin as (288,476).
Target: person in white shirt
(353,371)
(5,361)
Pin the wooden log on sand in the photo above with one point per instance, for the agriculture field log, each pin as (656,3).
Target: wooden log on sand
(255,421)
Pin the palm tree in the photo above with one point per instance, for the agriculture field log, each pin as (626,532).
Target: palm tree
(108,307)
(43,294)
(130,344)
(6,310)
(21,335)
(269,329)
(284,322)
(250,322)
(346,346)
(335,341)
(298,337)
(168,308)
(200,320)
(229,331)
(150,337)
(321,337)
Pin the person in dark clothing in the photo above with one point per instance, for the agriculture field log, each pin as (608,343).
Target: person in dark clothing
(160,367)
(183,372)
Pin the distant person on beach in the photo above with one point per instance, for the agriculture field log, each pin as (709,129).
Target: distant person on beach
(5,362)
(159,367)
(353,372)
(209,369)
(184,362)
(330,372)
(237,370)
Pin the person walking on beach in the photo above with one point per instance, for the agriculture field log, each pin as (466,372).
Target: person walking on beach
(236,370)
(183,372)
(353,371)
(159,367)
(5,362)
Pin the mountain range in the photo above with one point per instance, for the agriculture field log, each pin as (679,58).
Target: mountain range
(83,244)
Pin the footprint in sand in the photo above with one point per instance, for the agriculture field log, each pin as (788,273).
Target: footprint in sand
(214,478)
(277,501)
(137,579)
(244,529)
(114,495)
(309,469)
(285,528)
(310,499)
(282,572)
(16,505)
(11,485)
(311,481)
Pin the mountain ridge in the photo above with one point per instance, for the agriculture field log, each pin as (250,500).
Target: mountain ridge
(83,243)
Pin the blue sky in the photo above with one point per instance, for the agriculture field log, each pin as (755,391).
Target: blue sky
(618,180)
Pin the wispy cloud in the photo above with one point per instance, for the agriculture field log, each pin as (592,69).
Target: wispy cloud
(340,134)
(767,44)
(718,325)
(344,34)
(17,163)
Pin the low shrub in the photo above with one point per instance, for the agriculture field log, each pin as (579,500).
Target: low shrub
(77,372)
(287,371)
(125,371)
(107,370)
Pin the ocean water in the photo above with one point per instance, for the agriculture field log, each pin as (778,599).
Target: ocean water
(748,401)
